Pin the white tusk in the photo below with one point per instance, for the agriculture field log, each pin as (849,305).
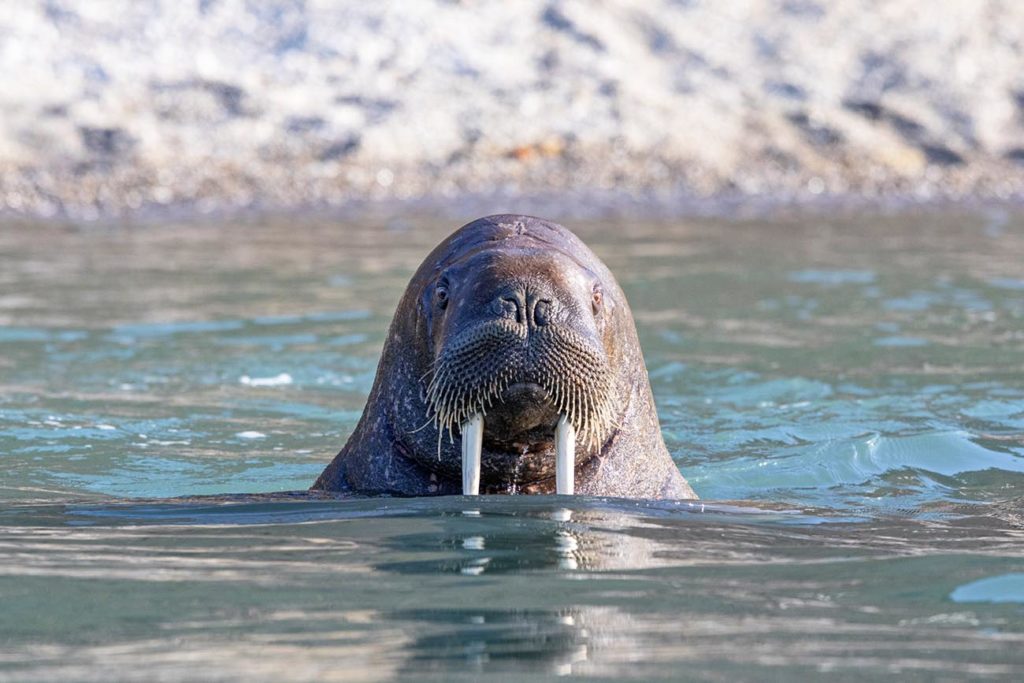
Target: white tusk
(565,457)
(472,444)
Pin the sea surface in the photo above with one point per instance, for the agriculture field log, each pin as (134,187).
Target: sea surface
(845,392)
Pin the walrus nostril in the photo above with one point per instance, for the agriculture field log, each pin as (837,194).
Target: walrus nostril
(508,307)
(542,312)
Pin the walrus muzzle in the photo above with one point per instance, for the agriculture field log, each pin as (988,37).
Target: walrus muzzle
(529,376)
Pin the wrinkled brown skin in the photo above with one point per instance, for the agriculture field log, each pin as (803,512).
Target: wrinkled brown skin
(395,449)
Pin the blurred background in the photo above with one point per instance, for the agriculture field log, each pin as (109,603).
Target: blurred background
(118,105)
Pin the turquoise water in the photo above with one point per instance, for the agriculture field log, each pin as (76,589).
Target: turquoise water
(845,393)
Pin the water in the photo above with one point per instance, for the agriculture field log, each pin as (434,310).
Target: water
(845,393)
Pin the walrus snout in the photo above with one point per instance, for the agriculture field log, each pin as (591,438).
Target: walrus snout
(520,388)
(503,367)
(522,418)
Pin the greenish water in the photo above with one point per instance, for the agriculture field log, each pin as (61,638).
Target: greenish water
(846,394)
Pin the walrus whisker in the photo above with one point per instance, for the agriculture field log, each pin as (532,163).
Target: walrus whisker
(430,421)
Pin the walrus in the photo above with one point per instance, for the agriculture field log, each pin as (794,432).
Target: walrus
(512,366)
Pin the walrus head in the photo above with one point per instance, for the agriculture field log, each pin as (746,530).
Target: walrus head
(512,361)
(516,334)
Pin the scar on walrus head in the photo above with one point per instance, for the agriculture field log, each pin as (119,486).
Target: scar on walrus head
(512,365)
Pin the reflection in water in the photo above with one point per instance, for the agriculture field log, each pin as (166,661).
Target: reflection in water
(538,540)
(782,583)
(565,548)
(487,641)
(549,641)
(369,589)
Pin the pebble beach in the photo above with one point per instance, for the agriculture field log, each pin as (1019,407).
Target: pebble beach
(121,107)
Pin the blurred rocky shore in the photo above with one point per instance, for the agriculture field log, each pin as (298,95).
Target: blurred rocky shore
(115,106)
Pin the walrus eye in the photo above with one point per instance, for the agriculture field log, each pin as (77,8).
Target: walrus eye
(597,299)
(441,294)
